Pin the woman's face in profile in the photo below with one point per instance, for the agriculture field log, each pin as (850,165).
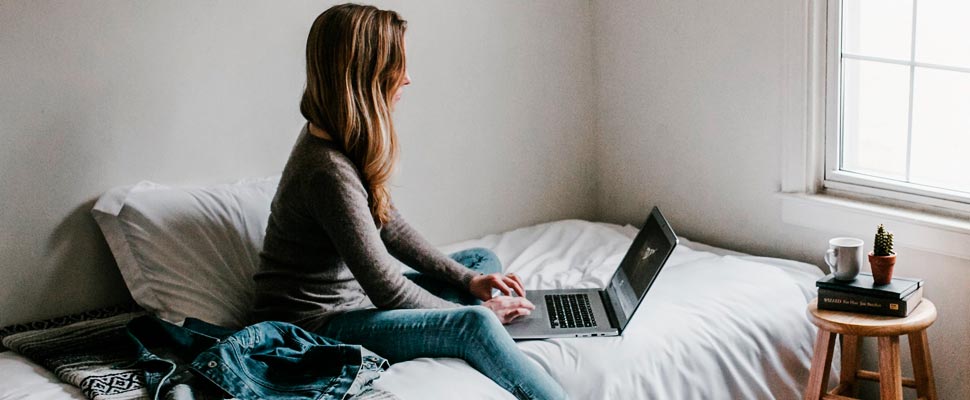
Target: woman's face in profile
(407,78)
(400,89)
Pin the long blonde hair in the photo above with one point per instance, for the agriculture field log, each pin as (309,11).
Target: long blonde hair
(355,64)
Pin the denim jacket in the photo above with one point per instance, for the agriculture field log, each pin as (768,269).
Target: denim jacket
(267,360)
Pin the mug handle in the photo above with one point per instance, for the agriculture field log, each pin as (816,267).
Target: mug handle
(830,256)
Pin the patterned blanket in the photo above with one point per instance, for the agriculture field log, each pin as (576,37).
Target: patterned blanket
(86,354)
(83,354)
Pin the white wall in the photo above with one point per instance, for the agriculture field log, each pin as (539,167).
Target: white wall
(690,117)
(495,128)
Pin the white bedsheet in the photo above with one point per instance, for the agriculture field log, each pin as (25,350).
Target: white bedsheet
(715,325)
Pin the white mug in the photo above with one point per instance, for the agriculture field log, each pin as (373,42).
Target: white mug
(844,257)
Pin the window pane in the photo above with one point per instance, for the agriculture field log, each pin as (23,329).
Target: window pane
(941,129)
(943,32)
(875,116)
(877,28)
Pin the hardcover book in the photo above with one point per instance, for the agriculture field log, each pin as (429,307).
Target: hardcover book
(863,284)
(844,301)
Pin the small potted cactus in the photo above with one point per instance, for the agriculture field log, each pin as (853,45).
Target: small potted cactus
(882,259)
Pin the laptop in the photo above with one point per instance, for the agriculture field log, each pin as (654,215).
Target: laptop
(601,312)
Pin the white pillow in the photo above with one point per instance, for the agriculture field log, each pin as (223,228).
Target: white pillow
(189,251)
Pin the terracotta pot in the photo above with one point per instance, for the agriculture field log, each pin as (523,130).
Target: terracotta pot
(882,268)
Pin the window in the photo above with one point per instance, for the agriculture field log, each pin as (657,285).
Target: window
(897,109)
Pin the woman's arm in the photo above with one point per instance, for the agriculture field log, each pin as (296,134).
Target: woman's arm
(410,247)
(407,245)
(338,202)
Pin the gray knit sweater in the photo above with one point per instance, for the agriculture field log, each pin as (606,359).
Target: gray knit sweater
(323,254)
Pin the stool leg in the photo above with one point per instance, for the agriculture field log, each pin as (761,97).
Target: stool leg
(850,364)
(919,347)
(818,379)
(890,372)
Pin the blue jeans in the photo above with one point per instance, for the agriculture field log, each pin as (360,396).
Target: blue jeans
(471,333)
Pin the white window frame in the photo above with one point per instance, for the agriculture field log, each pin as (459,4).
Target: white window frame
(853,184)
(810,200)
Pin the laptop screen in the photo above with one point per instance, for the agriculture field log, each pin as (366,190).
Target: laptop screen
(641,265)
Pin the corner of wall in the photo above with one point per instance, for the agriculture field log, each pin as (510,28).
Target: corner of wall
(596,80)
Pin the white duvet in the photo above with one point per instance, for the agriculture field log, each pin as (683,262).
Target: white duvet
(715,325)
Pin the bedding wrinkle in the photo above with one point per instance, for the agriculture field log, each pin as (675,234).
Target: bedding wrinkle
(570,257)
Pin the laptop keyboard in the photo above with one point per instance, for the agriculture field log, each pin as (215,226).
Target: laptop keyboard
(570,310)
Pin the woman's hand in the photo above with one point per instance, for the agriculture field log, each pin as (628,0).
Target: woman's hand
(508,308)
(481,286)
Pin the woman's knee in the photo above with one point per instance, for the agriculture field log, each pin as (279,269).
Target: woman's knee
(479,259)
(476,316)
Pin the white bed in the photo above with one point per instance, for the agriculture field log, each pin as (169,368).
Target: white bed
(715,325)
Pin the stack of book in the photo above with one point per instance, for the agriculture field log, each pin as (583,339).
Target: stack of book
(897,299)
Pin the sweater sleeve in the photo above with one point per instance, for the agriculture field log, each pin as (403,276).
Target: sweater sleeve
(338,201)
(407,245)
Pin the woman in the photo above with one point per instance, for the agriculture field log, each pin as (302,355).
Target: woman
(326,263)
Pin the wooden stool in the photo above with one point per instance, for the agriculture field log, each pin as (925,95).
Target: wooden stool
(852,327)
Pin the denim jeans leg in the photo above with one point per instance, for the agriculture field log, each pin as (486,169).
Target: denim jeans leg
(477,259)
(471,333)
